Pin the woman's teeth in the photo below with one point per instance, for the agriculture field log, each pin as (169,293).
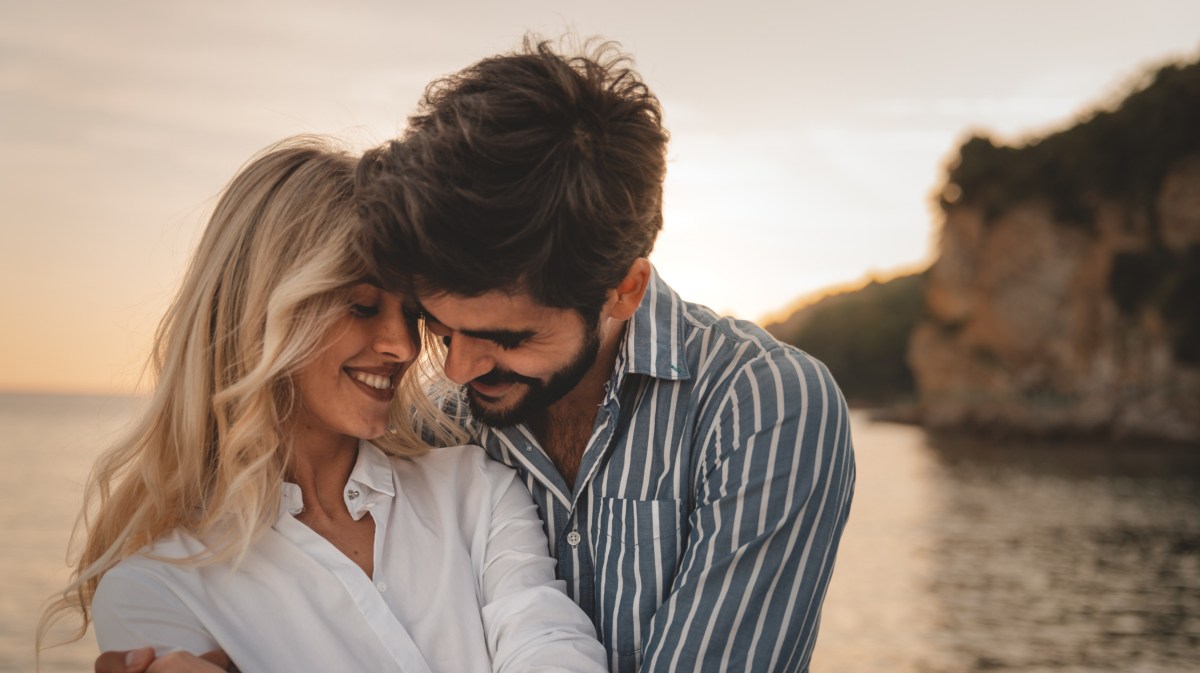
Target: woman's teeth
(373,380)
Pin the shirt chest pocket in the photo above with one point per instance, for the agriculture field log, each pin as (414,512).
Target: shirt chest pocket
(638,544)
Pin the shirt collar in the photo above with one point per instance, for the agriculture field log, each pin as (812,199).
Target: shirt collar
(653,343)
(370,481)
(373,470)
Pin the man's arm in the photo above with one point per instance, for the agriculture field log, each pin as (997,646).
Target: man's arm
(772,493)
(143,661)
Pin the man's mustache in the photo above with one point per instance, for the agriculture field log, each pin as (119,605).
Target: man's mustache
(500,376)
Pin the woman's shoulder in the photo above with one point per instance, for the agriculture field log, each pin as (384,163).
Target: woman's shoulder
(172,546)
(468,460)
(158,564)
(466,468)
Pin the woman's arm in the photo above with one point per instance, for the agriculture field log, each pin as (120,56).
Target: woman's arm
(530,623)
(133,607)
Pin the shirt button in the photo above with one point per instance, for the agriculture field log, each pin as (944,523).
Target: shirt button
(382,586)
(573,538)
(352,494)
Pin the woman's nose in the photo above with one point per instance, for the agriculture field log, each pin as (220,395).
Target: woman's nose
(397,337)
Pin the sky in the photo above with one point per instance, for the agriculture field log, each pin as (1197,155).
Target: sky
(807,137)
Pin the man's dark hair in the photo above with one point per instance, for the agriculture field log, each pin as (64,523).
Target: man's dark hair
(526,172)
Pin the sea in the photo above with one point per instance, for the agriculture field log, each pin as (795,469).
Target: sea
(962,554)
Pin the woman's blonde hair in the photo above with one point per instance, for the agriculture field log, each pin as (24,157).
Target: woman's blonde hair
(271,274)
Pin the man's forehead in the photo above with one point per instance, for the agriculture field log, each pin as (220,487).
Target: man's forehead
(496,309)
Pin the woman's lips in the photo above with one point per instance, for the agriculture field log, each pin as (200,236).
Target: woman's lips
(376,381)
(378,386)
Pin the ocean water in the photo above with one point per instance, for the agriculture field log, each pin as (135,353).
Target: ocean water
(961,554)
(47,446)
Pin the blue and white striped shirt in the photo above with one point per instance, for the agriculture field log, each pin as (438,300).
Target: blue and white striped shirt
(702,528)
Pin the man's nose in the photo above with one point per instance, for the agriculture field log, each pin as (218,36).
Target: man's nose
(467,358)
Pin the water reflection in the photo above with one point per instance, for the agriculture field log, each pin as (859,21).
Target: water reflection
(1058,556)
(961,554)
(966,554)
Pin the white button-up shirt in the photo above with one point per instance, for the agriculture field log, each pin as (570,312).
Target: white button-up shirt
(462,583)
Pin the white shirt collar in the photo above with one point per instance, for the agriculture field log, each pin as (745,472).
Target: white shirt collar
(370,482)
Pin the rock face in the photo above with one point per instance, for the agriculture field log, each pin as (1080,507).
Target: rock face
(1039,324)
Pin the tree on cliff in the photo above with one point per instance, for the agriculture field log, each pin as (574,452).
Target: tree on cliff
(862,337)
(1122,153)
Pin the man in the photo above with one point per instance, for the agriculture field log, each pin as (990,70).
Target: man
(693,474)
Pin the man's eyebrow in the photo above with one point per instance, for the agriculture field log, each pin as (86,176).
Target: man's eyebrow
(498,335)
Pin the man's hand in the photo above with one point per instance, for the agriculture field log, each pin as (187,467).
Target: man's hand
(143,661)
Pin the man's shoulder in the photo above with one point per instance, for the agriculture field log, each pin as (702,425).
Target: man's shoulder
(750,389)
(732,348)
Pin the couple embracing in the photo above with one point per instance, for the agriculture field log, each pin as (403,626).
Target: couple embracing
(306,490)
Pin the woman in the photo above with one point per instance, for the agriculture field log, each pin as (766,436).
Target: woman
(246,514)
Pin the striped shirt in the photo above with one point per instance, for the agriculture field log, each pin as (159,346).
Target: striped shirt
(701,531)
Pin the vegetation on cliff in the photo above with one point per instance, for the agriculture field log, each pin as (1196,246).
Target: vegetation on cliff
(1120,154)
(862,337)
(1064,296)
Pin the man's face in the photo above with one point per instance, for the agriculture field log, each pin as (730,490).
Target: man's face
(514,356)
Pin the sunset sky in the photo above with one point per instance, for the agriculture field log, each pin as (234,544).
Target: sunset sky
(806,137)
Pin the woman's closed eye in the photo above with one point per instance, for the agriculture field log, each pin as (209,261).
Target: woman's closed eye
(413,315)
(364,310)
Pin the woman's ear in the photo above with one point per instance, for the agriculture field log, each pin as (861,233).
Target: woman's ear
(627,296)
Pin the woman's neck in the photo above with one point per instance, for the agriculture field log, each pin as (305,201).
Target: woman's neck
(321,466)
(321,470)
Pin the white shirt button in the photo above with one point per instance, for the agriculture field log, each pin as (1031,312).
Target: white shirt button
(352,494)
(573,538)
(382,586)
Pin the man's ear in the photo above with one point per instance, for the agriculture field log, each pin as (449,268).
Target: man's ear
(628,294)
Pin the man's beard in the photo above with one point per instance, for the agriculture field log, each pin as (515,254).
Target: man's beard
(540,394)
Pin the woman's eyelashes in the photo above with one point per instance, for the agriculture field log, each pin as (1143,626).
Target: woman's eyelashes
(413,314)
(369,308)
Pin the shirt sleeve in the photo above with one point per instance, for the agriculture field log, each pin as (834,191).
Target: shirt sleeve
(530,622)
(772,493)
(134,608)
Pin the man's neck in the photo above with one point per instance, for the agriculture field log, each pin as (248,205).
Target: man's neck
(563,428)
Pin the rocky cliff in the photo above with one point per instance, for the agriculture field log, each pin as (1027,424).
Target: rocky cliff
(1065,298)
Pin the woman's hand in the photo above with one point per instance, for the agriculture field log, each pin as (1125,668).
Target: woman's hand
(143,661)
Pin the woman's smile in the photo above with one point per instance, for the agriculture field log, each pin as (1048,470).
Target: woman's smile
(381,387)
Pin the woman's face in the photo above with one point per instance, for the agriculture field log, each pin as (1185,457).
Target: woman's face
(346,391)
